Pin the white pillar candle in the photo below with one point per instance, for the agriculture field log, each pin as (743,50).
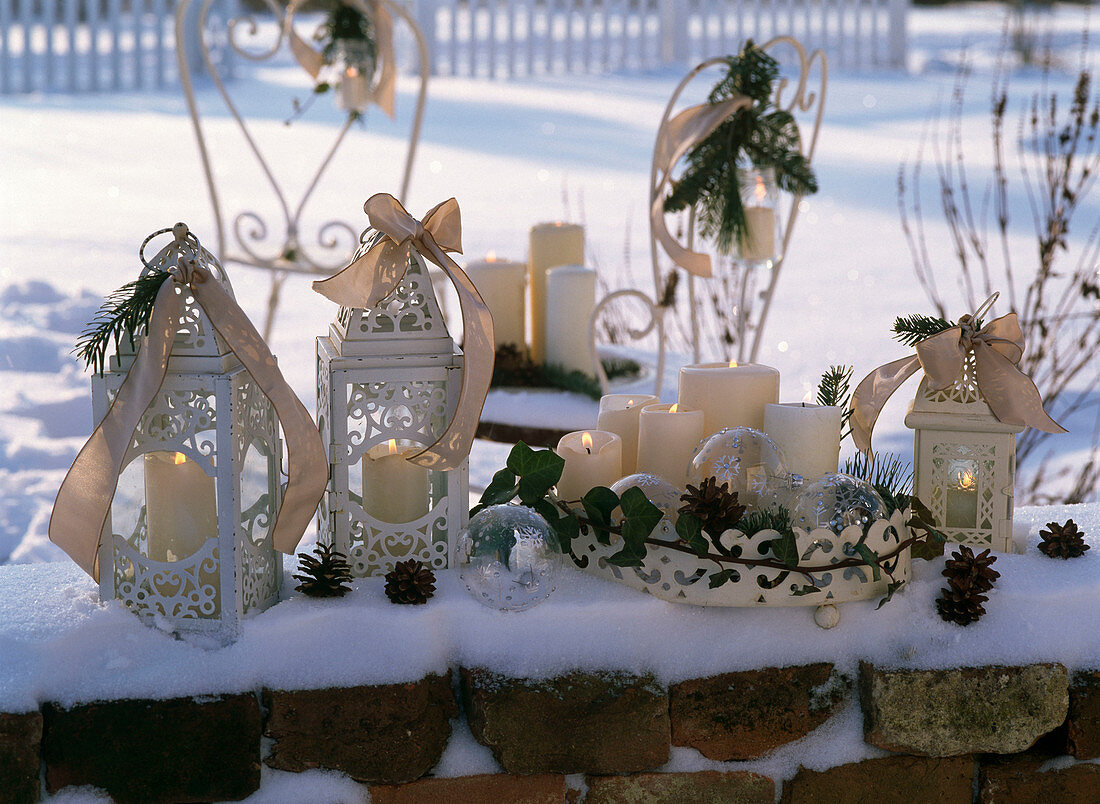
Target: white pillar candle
(729,395)
(570,300)
(181,510)
(667,438)
(759,240)
(619,415)
(354,90)
(552,244)
(394,490)
(592,458)
(503,286)
(807,434)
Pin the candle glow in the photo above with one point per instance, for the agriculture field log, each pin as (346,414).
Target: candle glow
(586,442)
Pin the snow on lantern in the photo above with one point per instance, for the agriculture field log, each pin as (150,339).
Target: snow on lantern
(970,404)
(183,469)
(390,386)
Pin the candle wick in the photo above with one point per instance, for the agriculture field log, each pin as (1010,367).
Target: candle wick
(588,450)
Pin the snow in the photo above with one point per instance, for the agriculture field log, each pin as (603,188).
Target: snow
(87,177)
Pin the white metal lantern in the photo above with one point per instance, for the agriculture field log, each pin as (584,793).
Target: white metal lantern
(187,543)
(388,380)
(964,462)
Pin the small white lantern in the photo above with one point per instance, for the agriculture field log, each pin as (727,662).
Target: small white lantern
(387,385)
(964,462)
(187,540)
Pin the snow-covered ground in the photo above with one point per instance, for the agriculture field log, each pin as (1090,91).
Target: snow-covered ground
(83,179)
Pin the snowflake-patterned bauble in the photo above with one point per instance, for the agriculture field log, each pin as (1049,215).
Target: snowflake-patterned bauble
(509,557)
(658,490)
(750,463)
(836,501)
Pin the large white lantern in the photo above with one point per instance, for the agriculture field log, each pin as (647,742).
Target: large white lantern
(388,380)
(187,540)
(964,462)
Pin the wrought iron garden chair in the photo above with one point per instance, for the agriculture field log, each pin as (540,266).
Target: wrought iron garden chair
(277,246)
(807,104)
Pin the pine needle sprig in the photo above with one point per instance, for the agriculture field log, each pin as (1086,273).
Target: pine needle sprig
(125,312)
(912,329)
(890,474)
(835,390)
(777,519)
(760,134)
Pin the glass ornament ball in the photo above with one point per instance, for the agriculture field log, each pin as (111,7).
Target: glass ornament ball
(656,489)
(750,463)
(836,501)
(509,557)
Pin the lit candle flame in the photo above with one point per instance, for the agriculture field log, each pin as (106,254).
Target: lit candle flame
(586,442)
(392,444)
(630,403)
(761,191)
(808,399)
(674,408)
(491,257)
(733,364)
(352,72)
(967,481)
(179,459)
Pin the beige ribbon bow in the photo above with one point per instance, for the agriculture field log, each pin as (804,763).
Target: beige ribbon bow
(997,347)
(84,499)
(674,139)
(375,275)
(382,94)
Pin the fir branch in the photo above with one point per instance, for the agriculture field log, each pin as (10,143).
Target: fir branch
(125,312)
(777,519)
(891,476)
(835,390)
(913,329)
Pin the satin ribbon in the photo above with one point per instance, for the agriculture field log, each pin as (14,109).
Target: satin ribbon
(674,139)
(310,60)
(997,347)
(373,276)
(84,499)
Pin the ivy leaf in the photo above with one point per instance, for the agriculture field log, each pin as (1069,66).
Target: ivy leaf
(501,489)
(722,577)
(640,517)
(871,557)
(808,589)
(785,549)
(537,471)
(322,87)
(567,528)
(890,589)
(630,556)
(598,504)
(690,528)
(922,520)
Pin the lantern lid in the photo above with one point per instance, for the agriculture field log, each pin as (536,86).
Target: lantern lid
(960,406)
(197,346)
(407,322)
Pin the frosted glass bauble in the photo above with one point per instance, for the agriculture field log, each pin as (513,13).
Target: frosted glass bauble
(836,501)
(509,557)
(658,490)
(749,462)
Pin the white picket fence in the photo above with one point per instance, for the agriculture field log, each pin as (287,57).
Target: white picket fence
(504,38)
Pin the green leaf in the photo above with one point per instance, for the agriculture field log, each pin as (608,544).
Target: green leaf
(322,87)
(598,504)
(808,589)
(690,528)
(501,489)
(890,590)
(871,557)
(629,556)
(722,577)
(785,549)
(640,517)
(567,528)
(538,470)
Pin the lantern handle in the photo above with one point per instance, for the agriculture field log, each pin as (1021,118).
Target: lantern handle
(984,308)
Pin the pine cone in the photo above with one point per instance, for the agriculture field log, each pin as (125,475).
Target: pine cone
(1063,541)
(410,582)
(977,569)
(713,505)
(960,602)
(325,575)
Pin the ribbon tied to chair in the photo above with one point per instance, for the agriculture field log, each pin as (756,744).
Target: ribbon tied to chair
(675,138)
(84,498)
(997,347)
(382,93)
(374,275)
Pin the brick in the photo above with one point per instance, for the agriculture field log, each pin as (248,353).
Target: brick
(887,780)
(389,733)
(182,749)
(703,787)
(579,723)
(1019,780)
(1083,724)
(744,715)
(20,750)
(993,709)
(484,789)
